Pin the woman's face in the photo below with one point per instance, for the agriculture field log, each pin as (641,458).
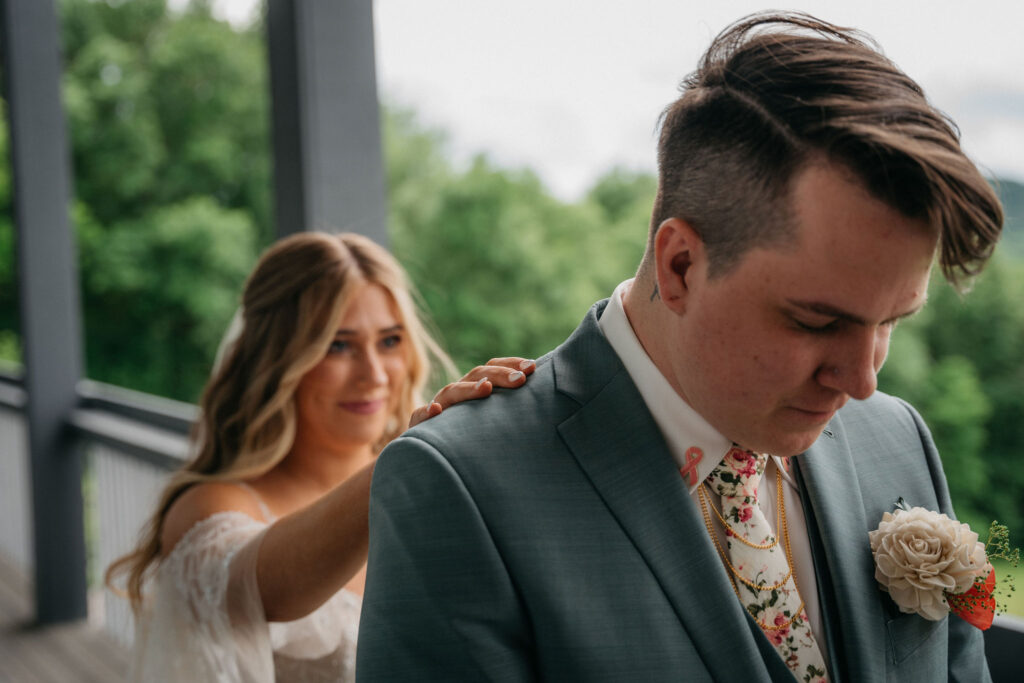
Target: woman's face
(344,402)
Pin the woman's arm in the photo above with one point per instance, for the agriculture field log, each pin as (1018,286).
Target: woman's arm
(307,556)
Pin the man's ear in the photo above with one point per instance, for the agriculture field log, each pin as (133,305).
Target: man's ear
(678,256)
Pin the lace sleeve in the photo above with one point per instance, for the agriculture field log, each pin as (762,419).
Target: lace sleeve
(204,620)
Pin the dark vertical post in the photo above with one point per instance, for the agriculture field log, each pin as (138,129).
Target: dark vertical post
(48,282)
(328,168)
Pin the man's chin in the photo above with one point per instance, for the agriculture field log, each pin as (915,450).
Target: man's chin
(788,445)
(803,443)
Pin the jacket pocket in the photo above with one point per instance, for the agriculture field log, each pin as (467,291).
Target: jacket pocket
(908,632)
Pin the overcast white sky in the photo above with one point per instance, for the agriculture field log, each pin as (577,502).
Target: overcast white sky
(573,87)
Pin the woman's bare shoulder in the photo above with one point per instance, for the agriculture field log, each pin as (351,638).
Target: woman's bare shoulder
(202,501)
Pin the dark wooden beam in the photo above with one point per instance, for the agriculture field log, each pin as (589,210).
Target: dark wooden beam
(48,298)
(328,167)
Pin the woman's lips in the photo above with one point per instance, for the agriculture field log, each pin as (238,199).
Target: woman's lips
(363,407)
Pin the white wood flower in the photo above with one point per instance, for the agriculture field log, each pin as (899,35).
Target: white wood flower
(922,556)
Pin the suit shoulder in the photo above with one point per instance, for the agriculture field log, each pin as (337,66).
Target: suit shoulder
(499,436)
(885,424)
(881,410)
(505,412)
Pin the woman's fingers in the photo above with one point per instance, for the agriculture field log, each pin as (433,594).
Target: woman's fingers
(503,372)
(424,413)
(514,362)
(508,372)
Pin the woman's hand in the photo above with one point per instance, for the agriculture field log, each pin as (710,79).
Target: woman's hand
(477,383)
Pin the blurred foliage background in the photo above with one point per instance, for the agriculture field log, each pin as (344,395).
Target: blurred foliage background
(169,124)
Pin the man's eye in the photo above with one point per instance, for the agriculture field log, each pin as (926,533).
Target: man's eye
(826,327)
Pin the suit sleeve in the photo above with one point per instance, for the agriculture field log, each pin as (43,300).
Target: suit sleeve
(966,649)
(439,603)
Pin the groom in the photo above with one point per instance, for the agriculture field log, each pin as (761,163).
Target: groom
(590,526)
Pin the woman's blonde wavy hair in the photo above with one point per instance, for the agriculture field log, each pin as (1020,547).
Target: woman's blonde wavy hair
(291,307)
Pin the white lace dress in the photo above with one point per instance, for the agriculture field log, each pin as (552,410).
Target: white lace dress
(203,618)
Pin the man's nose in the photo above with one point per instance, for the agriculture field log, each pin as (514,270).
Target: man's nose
(853,368)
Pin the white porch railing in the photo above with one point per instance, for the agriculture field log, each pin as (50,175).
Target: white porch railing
(125,493)
(131,442)
(15,492)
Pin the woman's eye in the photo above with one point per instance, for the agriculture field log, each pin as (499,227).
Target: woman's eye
(391,341)
(337,346)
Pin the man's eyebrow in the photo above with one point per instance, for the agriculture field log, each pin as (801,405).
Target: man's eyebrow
(345,332)
(822,308)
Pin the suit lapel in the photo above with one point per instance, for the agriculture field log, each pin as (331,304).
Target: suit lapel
(830,640)
(837,526)
(618,445)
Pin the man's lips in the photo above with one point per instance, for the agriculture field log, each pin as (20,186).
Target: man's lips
(818,413)
(363,407)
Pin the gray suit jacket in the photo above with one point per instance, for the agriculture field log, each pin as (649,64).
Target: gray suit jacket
(545,533)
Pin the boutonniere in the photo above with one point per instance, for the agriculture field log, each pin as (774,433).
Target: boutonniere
(932,565)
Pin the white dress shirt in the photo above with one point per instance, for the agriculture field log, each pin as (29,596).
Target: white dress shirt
(684,428)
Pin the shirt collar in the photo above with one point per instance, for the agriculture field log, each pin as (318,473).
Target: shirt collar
(696,446)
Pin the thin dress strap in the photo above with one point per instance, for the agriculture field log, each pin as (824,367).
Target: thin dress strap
(268,516)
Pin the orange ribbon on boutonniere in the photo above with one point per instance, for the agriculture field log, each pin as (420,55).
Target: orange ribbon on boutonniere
(976,606)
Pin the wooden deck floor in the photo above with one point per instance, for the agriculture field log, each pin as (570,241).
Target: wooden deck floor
(58,654)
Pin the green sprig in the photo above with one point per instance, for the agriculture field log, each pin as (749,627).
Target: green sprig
(998,547)
(998,544)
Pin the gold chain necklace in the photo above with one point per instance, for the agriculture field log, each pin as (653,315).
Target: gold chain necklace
(728,528)
(734,572)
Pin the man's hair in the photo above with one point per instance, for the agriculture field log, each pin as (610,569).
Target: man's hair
(774,92)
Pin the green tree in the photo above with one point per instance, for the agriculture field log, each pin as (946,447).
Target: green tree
(987,327)
(961,363)
(168,120)
(624,195)
(503,267)
(156,307)
(958,409)
(8,277)
(1011,194)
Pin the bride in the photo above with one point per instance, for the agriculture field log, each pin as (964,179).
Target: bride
(252,566)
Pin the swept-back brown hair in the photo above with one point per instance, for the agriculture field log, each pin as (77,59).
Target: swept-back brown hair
(775,91)
(291,307)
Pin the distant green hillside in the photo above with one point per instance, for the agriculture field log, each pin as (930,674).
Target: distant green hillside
(1012,195)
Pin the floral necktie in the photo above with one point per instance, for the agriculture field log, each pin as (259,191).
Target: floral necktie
(761,566)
